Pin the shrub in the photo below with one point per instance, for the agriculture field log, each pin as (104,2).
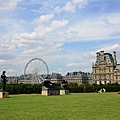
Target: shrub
(23,88)
(73,87)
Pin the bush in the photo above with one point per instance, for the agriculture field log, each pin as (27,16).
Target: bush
(76,88)
(23,88)
(73,87)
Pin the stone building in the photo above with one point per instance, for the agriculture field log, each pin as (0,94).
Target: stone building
(106,70)
(78,77)
(56,77)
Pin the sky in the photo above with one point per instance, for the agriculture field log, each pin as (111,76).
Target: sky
(66,34)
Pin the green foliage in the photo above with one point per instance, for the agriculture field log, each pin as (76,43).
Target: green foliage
(23,88)
(90,88)
(73,87)
(77,88)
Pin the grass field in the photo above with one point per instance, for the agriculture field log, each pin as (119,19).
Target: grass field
(77,106)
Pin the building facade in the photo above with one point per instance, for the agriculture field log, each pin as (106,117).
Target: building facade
(106,70)
(56,77)
(78,77)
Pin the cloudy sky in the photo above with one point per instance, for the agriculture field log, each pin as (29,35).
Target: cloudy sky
(66,34)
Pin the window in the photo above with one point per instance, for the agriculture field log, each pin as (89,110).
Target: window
(109,76)
(116,77)
(100,77)
(105,82)
(105,76)
(95,76)
(104,69)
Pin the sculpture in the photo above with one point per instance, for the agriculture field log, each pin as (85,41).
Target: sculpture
(64,85)
(47,84)
(4,80)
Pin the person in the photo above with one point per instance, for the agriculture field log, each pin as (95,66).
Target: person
(4,80)
(104,90)
(100,91)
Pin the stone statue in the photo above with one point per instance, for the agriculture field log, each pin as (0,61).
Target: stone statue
(4,80)
(48,85)
(64,85)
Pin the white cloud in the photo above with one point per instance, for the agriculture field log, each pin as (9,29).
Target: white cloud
(111,48)
(80,3)
(2,62)
(58,23)
(60,71)
(58,9)
(29,36)
(92,29)
(114,18)
(73,65)
(41,30)
(43,18)
(76,65)
(69,7)
(11,71)
(8,5)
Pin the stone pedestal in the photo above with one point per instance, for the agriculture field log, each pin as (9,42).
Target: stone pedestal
(64,92)
(49,92)
(4,94)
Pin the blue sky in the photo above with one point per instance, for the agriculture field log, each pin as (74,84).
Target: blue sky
(66,34)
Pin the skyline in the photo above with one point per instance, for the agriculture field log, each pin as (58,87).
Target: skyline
(66,35)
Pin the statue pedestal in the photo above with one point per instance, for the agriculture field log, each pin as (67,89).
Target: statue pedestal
(64,92)
(4,94)
(49,92)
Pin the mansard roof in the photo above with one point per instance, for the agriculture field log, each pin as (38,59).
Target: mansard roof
(107,57)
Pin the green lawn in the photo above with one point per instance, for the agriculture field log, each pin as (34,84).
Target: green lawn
(78,106)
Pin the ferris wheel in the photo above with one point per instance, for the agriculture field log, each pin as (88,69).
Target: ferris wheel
(36,71)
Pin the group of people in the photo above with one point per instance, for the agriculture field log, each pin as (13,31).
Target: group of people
(102,90)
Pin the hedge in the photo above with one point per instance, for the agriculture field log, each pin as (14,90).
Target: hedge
(23,88)
(73,87)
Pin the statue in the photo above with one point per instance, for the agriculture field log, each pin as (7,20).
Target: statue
(47,84)
(49,88)
(4,80)
(64,88)
(64,85)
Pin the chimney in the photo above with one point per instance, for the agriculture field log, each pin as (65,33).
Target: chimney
(102,56)
(115,61)
(97,55)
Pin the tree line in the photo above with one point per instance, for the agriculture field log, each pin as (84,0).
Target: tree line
(73,88)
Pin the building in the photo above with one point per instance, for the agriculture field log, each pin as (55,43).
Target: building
(56,77)
(12,79)
(78,77)
(106,70)
(30,79)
